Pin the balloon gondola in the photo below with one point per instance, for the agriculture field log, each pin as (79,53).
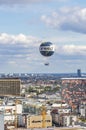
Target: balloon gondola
(46,64)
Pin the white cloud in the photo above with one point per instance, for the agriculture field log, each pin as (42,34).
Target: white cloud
(71,51)
(71,19)
(18,39)
(16,48)
(12,63)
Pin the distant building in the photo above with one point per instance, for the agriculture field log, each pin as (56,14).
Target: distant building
(63,119)
(79,72)
(10,111)
(38,121)
(10,86)
(69,120)
(74,90)
(21,120)
(83,110)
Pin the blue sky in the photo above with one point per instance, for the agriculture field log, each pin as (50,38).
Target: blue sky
(24,24)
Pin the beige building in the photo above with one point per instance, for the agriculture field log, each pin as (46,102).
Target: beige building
(38,121)
(10,86)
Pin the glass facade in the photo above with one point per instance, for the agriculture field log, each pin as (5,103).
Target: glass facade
(9,87)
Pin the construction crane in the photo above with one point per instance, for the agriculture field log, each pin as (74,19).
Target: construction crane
(15,113)
(16,102)
(43,113)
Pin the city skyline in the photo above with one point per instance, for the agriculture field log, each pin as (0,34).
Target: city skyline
(26,24)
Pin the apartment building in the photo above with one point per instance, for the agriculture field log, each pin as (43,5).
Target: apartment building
(39,121)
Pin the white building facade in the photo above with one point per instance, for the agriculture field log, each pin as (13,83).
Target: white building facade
(1,121)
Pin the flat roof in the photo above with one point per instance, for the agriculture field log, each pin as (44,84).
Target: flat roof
(10,79)
(74,78)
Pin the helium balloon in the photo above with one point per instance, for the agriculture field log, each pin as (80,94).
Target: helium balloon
(46,49)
